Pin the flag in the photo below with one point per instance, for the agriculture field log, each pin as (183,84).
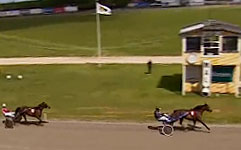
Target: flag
(103,10)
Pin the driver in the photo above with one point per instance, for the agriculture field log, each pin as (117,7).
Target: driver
(6,112)
(160,116)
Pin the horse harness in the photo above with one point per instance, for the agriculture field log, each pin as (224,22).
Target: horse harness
(32,110)
(193,113)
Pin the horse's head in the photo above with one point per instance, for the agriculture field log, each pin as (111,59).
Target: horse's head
(44,105)
(207,108)
(202,108)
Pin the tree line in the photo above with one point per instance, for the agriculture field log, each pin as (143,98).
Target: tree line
(82,4)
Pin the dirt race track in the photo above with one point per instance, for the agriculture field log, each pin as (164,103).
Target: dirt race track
(60,135)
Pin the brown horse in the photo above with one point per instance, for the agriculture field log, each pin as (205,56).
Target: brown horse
(195,114)
(32,111)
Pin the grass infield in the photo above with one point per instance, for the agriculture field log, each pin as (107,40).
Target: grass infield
(110,92)
(126,32)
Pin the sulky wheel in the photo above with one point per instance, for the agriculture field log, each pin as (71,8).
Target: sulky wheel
(167,130)
(9,123)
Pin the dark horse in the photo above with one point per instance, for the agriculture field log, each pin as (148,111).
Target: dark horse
(31,111)
(194,114)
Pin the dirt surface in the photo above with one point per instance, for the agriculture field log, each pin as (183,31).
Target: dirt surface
(57,135)
(92,60)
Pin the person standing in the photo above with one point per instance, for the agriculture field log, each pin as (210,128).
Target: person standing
(149,67)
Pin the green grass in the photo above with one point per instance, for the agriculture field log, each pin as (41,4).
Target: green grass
(127,32)
(110,92)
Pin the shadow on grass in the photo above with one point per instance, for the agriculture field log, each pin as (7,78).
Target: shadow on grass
(172,83)
(180,128)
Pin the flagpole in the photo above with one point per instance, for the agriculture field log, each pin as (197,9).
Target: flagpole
(98,32)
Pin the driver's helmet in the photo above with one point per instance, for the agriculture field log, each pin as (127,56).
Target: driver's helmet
(4,105)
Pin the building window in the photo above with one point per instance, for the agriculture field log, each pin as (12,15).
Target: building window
(222,74)
(193,74)
(230,43)
(193,44)
(211,45)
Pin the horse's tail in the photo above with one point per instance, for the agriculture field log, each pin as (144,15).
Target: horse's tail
(20,111)
(17,110)
(18,116)
(175,111)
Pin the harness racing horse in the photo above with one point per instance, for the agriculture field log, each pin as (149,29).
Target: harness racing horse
(195,114)
(32,111)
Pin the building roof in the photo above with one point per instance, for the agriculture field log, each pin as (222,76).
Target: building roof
(211,25)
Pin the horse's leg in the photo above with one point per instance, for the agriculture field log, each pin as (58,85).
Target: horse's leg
(39,118)
(203,123)
(180,121)
(25,118)
(194,122)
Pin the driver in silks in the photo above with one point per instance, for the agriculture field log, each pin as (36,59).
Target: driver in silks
(161,116)
(6,112)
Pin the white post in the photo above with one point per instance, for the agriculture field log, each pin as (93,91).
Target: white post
(98,33)
(236,79)
(184,79)
(183,66)
(184,45)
